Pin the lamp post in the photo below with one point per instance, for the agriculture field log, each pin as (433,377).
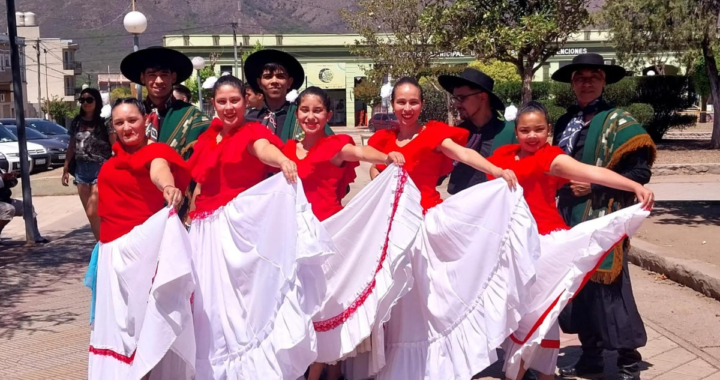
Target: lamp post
(198,64)
(136,23)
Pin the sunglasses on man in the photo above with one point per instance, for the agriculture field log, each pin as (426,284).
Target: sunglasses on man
(86,100)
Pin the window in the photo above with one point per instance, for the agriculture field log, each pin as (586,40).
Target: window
(587,35)
(186,40)
(226,69)
(546,72)
(246,40)
(216,40)
(7,60)
(69,85)
(68,59)
(2,97)
(278,39)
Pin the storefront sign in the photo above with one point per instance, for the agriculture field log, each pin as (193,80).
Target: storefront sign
(572,51)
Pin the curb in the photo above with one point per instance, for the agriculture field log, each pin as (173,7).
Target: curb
(677,169)
(697,275)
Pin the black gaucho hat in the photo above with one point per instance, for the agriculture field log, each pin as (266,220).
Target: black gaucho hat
(255,63)
(613,73)
(135,63)
(473,78)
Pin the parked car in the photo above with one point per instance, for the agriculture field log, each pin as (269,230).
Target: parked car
(56,148)
(4,164)
(383,120)
(38,156)
(46,127)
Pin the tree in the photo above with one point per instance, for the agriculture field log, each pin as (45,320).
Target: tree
(58,109)
(368,91)
(394,36)
(497,70)
(254,49)
(680,27)
(191,83)
(524,33)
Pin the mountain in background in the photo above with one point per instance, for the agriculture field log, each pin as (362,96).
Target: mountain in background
(96,25)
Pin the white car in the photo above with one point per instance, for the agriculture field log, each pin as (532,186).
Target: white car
(10,150)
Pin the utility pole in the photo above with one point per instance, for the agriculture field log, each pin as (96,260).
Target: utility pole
(47,88)
(234,26)
(32,235)
(37,50)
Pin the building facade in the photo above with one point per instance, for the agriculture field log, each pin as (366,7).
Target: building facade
(329,64)
(7,93)
(50,64)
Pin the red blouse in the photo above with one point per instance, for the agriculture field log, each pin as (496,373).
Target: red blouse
(227,169)
(424,164)
(128,196)
(539,188)
(324,182)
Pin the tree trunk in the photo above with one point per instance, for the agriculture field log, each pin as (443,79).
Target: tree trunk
(703,109)
(712,70)
(450,116)
(527,77)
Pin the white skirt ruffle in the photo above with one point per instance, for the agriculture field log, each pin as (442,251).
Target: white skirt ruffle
(258,265)
(371,270)
(568,259)
(472,262)
(143,319)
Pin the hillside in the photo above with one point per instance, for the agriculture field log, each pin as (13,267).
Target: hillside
(96,25)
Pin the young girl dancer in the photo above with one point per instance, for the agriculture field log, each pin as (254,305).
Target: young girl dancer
(143,320)
(256,251)
(326,165)
(568,256)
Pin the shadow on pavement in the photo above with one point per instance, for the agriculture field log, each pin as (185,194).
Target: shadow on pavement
(686,213)
(34,282)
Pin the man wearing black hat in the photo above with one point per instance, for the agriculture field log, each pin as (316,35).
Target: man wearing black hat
(481,111)
(603,313)
(171,121)
(274,73)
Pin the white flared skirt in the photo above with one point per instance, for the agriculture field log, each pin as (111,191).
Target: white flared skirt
(143,319)
(258,262)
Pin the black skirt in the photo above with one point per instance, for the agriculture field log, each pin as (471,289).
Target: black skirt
(608,312)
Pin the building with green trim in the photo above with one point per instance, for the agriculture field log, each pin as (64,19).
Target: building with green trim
(329,64)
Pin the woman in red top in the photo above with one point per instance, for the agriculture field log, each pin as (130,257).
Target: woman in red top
(429,149)
(326,166)
(541,170)
(144,262)
(252,313)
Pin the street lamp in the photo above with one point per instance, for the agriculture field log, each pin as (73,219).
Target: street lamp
(198,64)
(136,23)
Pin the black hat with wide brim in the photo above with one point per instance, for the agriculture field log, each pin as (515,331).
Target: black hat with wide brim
(255,63)
(135,63)
(613,73)
(475,79)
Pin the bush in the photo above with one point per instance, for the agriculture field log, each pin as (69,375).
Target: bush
(643,113)
(563,95)
(621,94)
(554,112)
(497,70)
(435,107)
(511,92)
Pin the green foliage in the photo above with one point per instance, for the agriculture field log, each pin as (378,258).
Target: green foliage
(255,48)
(511,92)
(701,82)
(563,95)
(120,92)
(191,83)
(436,106)
(499,71)
(522,33)
(643,113)
(622,93)
(554,112)
(368,92)
(58,109)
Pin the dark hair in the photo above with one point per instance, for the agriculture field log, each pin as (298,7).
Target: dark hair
(134,101)
(229,80)
(406,80)
(532,106)
(98,102)
(320,93)
(272,67)
(183,90)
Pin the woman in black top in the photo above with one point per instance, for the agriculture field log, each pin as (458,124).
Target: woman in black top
(90,146)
